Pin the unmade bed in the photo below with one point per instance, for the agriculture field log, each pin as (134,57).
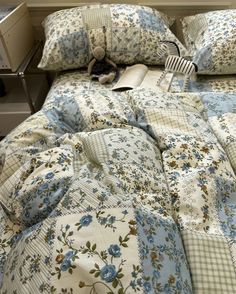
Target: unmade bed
(121,192)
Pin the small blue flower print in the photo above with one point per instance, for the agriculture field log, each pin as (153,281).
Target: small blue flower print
(144,251)
(147,286)
(167,289)
(65,265)
(103,220)
(44,186)
(114,250)
(133,284)
(46,200)
(212,170)
(108,273)
(149,21)
(69,255)
(150,220)
(49,175)
(47,260)
(41,189)
(140,282)
(156,274)
(125,212)
(150,239)
(74,45)
(61,159)
(85,220)
(111,220)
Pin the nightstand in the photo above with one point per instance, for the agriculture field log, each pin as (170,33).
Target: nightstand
(26,89)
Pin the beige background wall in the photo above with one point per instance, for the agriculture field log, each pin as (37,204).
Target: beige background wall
(190,3)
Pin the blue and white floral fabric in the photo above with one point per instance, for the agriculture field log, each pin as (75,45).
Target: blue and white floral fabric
(210,39)
(128,33)
(203,83)
(106,192)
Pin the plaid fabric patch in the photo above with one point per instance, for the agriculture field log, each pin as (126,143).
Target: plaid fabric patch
(96,147)
(210,262)
(10,166)
(231,153)
(96,18)
(169,121)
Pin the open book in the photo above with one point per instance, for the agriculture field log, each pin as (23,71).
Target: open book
(139,75)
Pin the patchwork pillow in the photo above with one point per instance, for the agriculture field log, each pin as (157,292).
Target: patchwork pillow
(129,34)
(210,38)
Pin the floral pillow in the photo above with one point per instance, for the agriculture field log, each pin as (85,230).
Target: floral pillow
(129,34)
(210,38)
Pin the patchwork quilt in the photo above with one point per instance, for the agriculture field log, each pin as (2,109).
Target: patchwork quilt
(132,192)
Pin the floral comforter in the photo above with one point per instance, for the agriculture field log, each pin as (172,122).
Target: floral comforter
(133,192)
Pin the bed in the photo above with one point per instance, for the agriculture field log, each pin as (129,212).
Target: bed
(121,192)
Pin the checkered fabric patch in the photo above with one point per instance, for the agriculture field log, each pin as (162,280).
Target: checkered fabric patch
(10,166)
(210,262)
(201,128)
(231,153)
(96,147)
(169,121)
(96,18)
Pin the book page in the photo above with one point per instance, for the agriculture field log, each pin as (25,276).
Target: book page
(151,78)
(132,77)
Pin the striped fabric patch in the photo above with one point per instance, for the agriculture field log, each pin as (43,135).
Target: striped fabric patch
(96,18)
(196,26)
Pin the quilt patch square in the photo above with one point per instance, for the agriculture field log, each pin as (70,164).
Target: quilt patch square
(96,18)
(231,152)
(74,46)
(148,21)
(198,26)
(210,263)
(169,120)
(95,249)
(126,39)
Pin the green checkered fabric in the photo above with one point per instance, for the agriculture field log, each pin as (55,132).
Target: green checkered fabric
(96,18)
(210,262)
(231,152)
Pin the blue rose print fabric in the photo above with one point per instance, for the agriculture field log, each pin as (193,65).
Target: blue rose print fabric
(118,193)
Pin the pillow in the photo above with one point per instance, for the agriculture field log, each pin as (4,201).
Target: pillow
(129,34)
(211,40)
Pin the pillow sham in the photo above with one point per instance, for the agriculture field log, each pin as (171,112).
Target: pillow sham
(129,34)
(210,39)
